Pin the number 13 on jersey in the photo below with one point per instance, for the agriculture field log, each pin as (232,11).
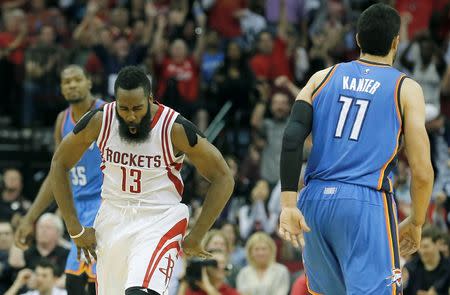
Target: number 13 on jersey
(131,180)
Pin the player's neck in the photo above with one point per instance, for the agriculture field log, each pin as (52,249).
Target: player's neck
(81,108)
(387,60)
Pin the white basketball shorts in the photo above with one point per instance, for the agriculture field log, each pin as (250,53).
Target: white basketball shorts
(137,247)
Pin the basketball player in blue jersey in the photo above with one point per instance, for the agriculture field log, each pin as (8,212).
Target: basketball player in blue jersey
(359,113)
(86,179)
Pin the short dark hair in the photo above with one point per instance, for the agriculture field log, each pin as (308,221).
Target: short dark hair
(378,25)
(45,263)
(78,67)
(132,77)
(431,232)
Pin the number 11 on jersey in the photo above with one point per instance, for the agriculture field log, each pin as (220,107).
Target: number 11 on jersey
(347,103)
(133,186)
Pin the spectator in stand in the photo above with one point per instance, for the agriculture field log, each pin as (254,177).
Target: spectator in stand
(443,244)
(12,47)
(427,273)
(237,252)
(273,58)
(49,231)
(216,240)
(421,10)
(263,276)
(12,203)
(6,242)
(252,23)
(122,52)
(234,81)
(45,280)
(428,70)
(295,11)
(179,71)
(271,130)
(119,22)
(256,216)
(212,57)
(43,62)
(212,279)
(40,16)
(224,17)
(251,166)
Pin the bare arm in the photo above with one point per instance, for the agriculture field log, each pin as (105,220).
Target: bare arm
(417,149)
(257,118)
(88,20)
(66,156)
(200,43)
(211,165)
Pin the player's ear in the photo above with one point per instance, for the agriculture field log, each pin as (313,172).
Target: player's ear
(395,43)
(357,40)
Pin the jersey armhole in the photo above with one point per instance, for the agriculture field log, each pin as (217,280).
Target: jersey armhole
(323,82)
(172,157)
(63,122)
(398,100)
(106,126)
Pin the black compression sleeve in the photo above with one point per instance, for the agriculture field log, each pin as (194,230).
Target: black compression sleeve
(297,130)
(83,122)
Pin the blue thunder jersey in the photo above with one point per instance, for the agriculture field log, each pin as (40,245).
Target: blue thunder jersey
(357,125)
(86,177)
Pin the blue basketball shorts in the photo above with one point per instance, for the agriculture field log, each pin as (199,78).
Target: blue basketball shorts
(353,244)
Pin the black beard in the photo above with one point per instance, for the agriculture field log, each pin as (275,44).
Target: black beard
(75,100)
(142,129)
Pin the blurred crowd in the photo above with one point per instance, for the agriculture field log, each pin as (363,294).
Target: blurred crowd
(201,55)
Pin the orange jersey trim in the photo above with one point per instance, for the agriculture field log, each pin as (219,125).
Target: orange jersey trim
(324,82)
(397,108)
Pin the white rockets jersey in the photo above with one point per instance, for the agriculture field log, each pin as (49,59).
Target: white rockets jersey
(145,173)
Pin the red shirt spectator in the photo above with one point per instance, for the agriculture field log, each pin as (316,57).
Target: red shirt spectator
(271,61)
(420,9)
(14,37)
(183,69)
(223,17)
(16,56)
(299,287)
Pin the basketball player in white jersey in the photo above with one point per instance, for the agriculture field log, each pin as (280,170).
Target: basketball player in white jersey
(139,230)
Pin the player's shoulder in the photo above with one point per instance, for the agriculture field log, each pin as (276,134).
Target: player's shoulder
(185,129)
(319,77)
(410,83)
(93,119)
(60,119)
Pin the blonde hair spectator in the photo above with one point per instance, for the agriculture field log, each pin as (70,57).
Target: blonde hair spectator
(263,275)
(256,238)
